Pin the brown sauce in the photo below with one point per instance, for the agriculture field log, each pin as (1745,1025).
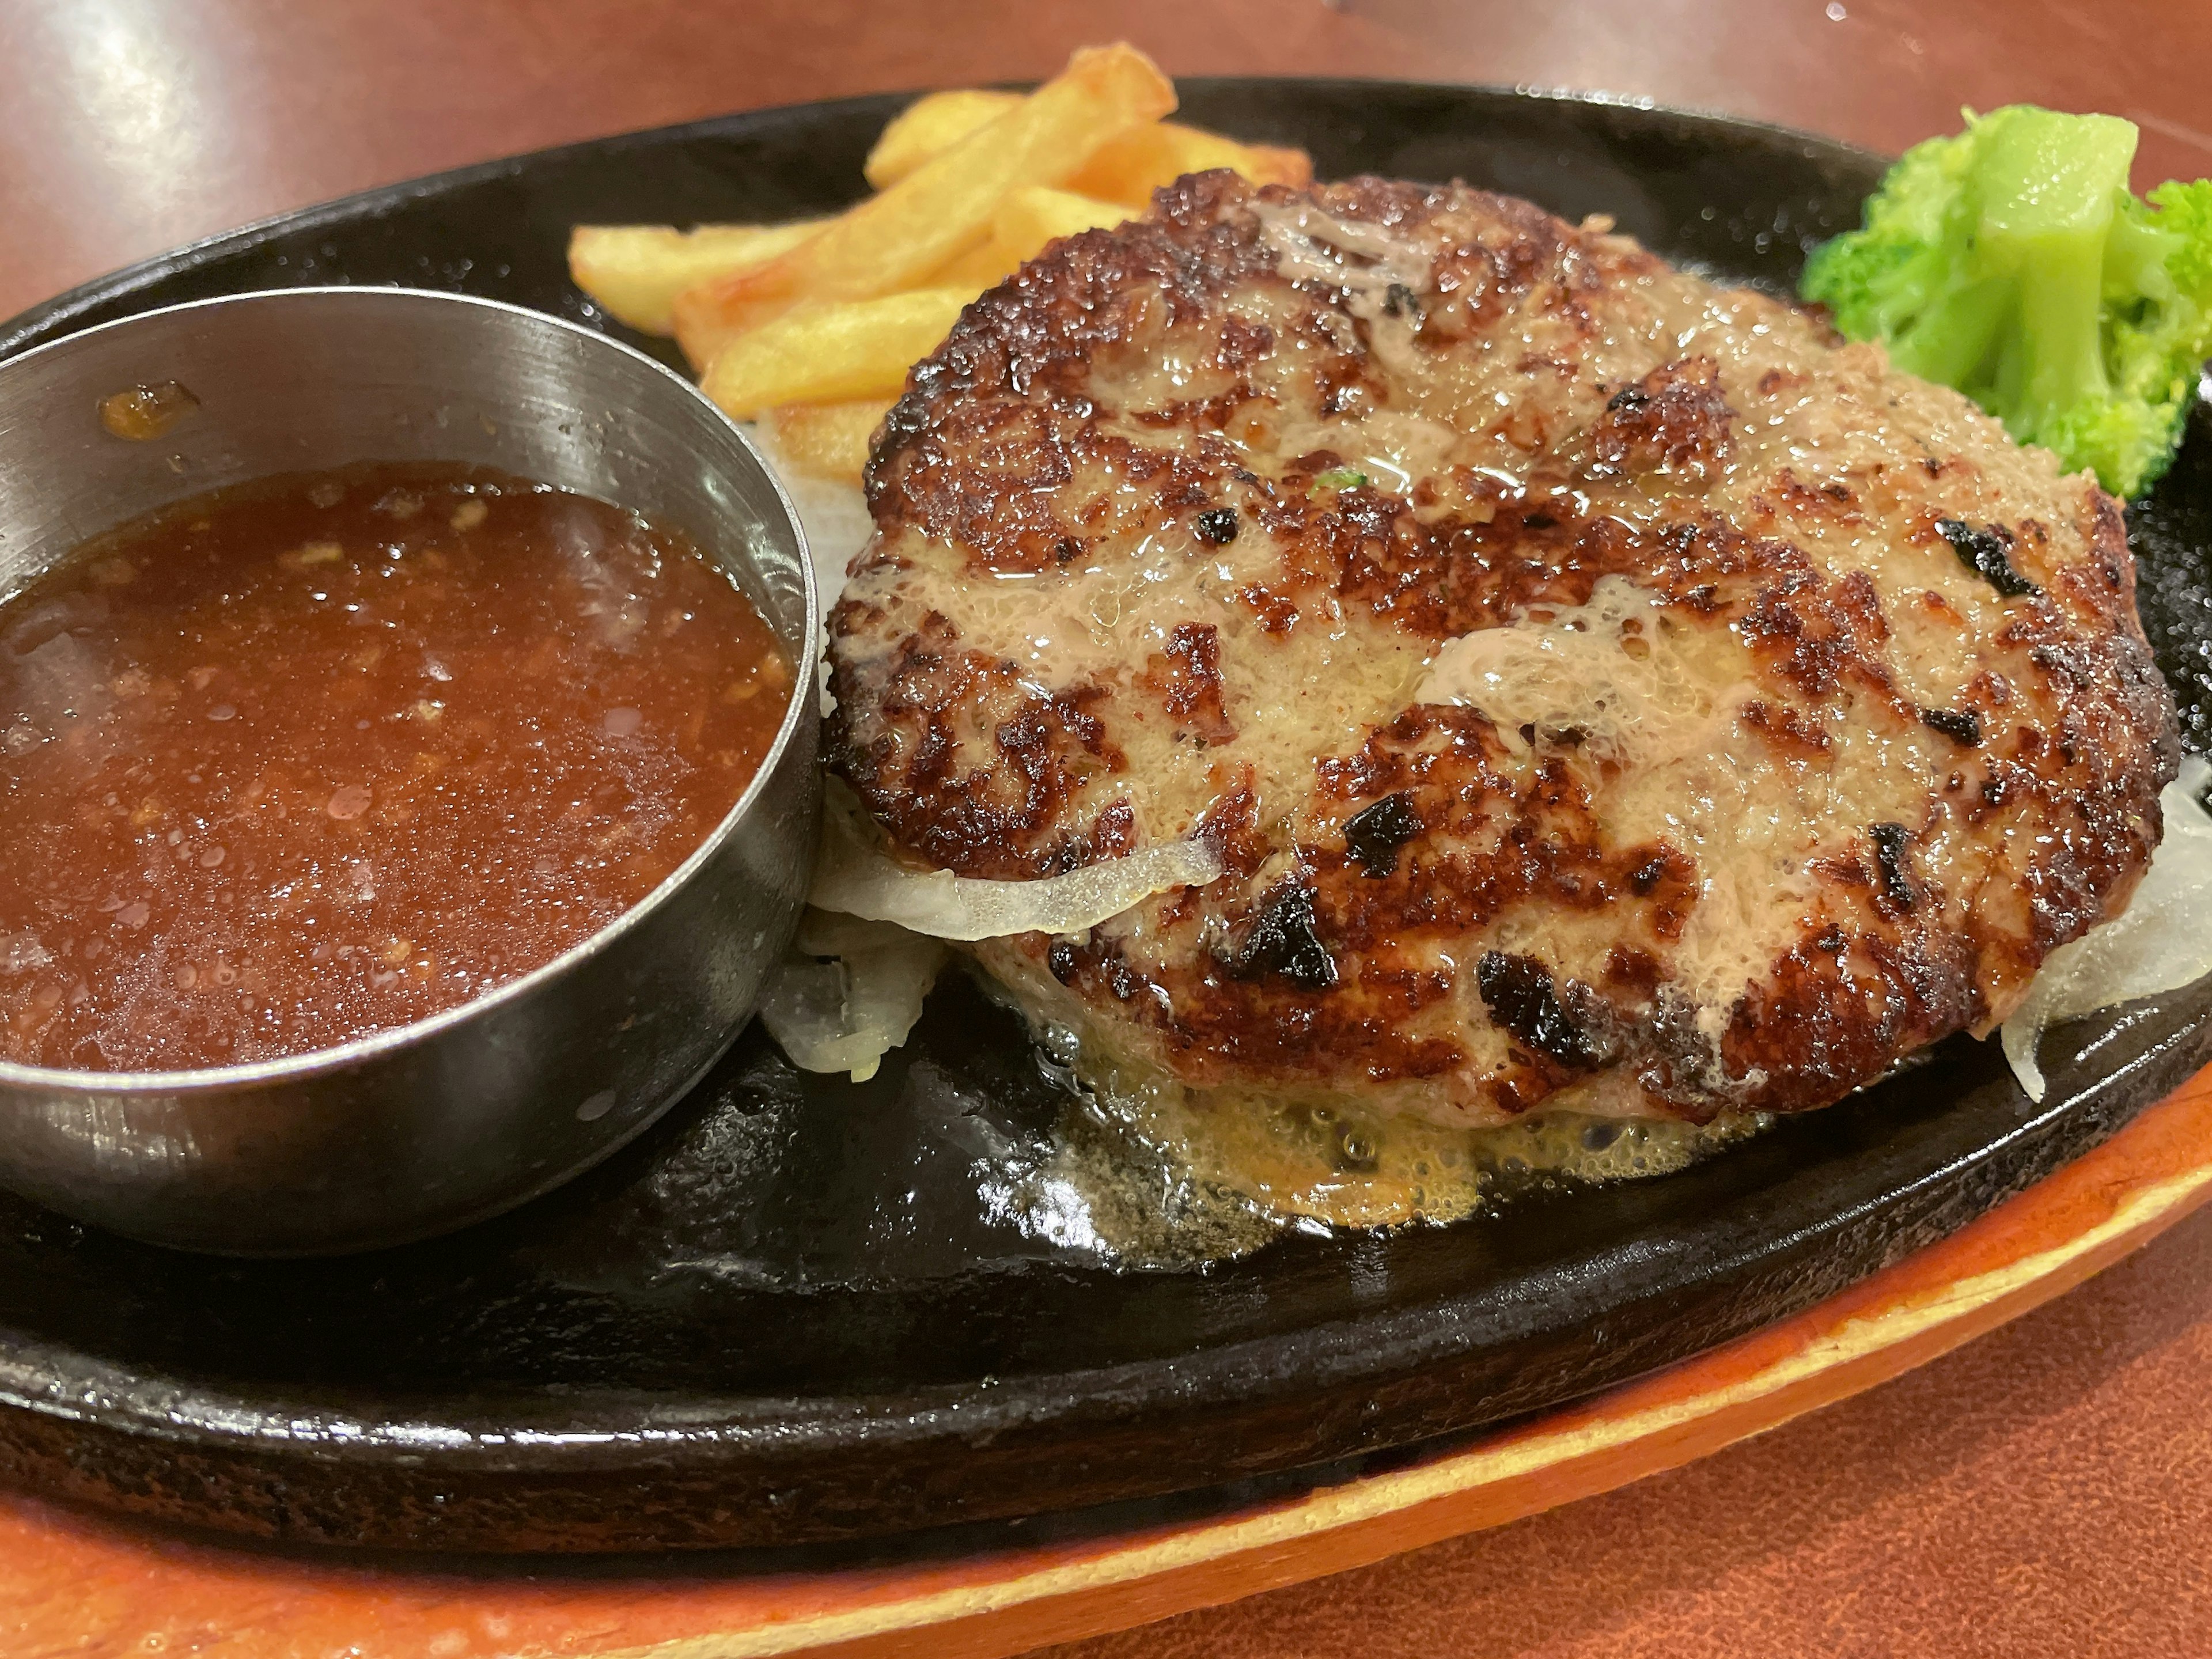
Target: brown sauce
(323,756)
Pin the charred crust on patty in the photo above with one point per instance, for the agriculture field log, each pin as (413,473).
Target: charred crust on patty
(1186,675)
(1231,823)
(1825,1020)
(1674,421)
(1789,731)
(913,773)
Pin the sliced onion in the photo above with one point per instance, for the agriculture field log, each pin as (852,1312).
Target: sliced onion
(834,514)
(847,1014)
(855,876)
(2161,942)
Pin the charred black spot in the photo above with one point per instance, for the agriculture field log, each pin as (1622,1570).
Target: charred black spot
(1629,397)
(1061,959)
(1890,840)
(1283,941)
(1831,940)
(1217,525)
(1960,725)
(1540,521)
(1398,301)
(1521,997)
(1988,553)
(1374,833)
(1648,875)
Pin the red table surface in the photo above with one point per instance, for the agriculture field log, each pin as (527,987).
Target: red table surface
(2047,1490)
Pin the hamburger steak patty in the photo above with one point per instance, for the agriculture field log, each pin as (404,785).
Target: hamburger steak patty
(1604,689)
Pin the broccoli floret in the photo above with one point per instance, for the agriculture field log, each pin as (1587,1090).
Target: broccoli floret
(2010,261)
(1879,281)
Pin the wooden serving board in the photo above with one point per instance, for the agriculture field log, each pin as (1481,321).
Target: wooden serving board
(76,1584)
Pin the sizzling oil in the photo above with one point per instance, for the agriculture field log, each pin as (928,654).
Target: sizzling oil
(1150,1174)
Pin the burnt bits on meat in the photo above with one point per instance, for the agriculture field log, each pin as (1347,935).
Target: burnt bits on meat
(1282,941)
(1522,997)
(1373,834)
(1961,725)
(1890,840)
(1988,553)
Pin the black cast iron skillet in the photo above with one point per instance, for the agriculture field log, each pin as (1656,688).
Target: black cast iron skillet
(791,1314)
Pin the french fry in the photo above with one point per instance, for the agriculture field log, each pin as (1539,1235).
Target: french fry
(944,207)
(831,353)
(978,268)
(700,327)
(1033,217)
(635,272)
(1028,219)
(1128,168)
(828,440)
(929,126)
(1132,167)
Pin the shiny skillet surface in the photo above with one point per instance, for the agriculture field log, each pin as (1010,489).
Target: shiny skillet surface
(797,1313)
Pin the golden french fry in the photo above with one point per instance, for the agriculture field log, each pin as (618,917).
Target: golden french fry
(828,440)
(831,353)
(1127,169)
(1130,168)
(701,330)
(1031,218)
(930,126)
(635,272)
(978,268)
(944,207)
(1028,219)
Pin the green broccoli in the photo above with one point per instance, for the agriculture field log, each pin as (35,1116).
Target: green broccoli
(2010,261)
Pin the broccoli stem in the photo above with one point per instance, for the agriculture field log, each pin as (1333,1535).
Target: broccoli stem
(2049,187)
(2056,355)
(1953,340)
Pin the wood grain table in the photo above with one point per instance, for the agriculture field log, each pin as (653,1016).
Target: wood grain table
(2046,1490)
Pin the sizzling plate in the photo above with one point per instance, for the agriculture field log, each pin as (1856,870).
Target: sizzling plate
(795,1312)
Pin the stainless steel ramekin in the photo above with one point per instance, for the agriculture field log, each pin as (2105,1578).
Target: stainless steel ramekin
(429,1126)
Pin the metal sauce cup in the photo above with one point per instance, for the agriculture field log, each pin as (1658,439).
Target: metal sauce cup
(426,1127)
